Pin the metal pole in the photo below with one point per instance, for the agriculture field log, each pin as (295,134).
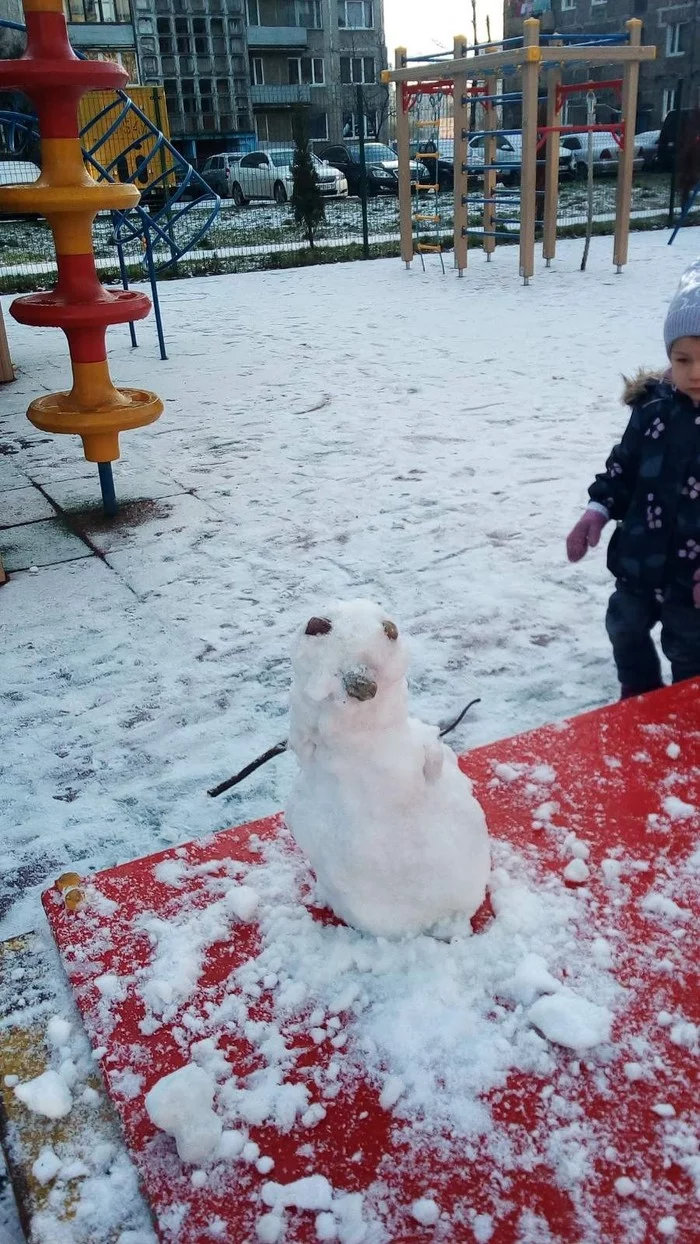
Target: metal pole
(590,120)
(676,144)
(109,499)
(154,293)
(125,283)
(363,175)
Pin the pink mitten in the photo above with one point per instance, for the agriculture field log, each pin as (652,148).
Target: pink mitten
(585,535)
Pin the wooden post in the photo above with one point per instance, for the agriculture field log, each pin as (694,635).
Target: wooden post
(490,175)
(551,170)
(7,371)
(461,124)
(404,155)
(625,165)
(528,170)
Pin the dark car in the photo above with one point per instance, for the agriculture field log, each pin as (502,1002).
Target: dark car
(438,164)
(683,129)
(382,166)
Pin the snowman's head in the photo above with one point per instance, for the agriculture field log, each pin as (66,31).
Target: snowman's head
(349,663)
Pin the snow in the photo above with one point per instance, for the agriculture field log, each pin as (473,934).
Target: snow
(181,1105)
(378,440)
(577,871)
(242,900)
(314,1192)
(46,1166)
(362,447)
(47,1094)
(677,809)
(571,1021)
(425,1211)
(387,819)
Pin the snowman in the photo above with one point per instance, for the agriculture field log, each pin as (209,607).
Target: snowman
(381,809)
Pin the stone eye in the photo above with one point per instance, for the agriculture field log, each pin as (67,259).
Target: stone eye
(391,630)
(318,626)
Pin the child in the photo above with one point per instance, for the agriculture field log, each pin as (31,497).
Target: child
(651,488)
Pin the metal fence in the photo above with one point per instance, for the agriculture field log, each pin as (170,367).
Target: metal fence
(255,227)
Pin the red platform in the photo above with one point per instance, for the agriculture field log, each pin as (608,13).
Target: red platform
(616,770)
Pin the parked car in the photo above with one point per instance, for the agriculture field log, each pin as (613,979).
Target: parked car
(265,175)
(219,170)
(606,153)
(683,128)
(382,166)
(331,182)
(646,148)
(508,159)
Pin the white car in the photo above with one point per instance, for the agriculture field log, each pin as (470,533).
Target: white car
(606,152)
(646,146)
(268,175)
(509,157)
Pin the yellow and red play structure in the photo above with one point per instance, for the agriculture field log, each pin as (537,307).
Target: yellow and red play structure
(55,79)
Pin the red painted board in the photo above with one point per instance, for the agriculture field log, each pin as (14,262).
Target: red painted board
(609,773)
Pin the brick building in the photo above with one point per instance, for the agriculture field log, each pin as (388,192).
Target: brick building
(673,28)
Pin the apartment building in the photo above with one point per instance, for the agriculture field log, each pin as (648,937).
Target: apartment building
(313,54)
(234,71)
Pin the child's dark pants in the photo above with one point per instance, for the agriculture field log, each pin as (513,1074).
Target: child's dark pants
(629,621)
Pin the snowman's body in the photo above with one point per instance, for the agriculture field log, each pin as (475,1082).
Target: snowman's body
(383,812)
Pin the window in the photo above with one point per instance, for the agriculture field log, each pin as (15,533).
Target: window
(668,102)
(355,15)
(351,124)
(98,10)
(306,70)
(318,126)
(568,4)
(356,69)
(308,13)
(253,13)
(674,39)
(257,71)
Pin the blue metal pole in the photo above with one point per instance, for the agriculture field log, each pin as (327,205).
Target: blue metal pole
(125,284)
(109,499)
(154,292)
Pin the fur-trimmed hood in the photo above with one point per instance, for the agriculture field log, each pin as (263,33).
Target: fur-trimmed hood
(637,385)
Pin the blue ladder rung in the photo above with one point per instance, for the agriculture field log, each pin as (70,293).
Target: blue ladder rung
(489,233)
(490,168)
(490,133)
(467,200)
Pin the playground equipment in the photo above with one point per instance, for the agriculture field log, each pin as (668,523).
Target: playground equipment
(55,80)
(124,138)
(472,77)
(638,858)
(429,233)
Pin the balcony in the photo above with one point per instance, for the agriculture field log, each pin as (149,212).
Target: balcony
(113,35)
(276,37)
(279,96)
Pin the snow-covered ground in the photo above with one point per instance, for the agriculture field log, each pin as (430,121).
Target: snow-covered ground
(335,431)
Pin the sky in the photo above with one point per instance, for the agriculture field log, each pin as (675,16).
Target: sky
(430,27)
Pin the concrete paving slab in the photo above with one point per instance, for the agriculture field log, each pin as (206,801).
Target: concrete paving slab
(24,505)
(40,544)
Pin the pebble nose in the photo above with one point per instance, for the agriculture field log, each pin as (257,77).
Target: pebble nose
(360,686)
